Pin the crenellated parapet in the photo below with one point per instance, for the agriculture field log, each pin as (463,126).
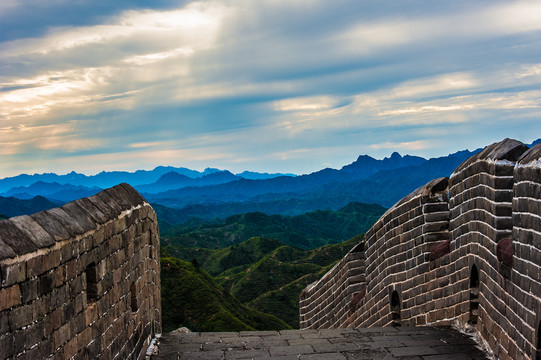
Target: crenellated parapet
(463,251)
(81,281)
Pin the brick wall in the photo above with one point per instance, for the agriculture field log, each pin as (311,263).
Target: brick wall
(463,251)
(326,304)
(81,281)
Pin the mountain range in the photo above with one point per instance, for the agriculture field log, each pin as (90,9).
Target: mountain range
(11,206)
(106,179)
(180,194)
(307,231)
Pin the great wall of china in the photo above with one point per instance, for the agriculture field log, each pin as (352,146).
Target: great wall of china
(83,281)
(462,251)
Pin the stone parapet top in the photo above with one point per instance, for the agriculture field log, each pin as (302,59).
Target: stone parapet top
(507,149)
(532,156)
(25,234)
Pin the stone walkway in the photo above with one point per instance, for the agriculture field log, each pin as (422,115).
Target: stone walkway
(420,343)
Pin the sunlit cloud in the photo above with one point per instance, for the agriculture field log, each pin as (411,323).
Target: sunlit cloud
(517,16)
(306,104)
(157,57)
(266,85)
(140,145)
(493,101)
(193,28)
(440,85)
(529,70)
(404,146)
(196,24)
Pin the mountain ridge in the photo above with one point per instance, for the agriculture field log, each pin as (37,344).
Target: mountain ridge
(266,274)
(214,193)
(309,230)
(217,193)
(10,206)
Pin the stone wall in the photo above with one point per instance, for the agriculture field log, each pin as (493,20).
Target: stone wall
(463,251)
(81,281)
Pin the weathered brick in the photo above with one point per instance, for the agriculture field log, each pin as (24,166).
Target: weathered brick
(46,283)
(20,316)
(53,286)
(52,321)
(120,196)
(34,334)
(13,273)
(6,346)
(39,264)
(6,251)
(62,335)
(17,240)
(70,348)
(51,225)
(30,227)
(96,213)
(9,297)
(4,322)
(69,221)
(81,216)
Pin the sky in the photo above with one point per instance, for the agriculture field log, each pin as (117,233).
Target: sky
(267,85)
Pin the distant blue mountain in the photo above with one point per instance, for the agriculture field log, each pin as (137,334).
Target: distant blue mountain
(11,206)
(366,180)
(173,180)
(181,193)
(365,165)
(250,175)
(54,191)
(107,179)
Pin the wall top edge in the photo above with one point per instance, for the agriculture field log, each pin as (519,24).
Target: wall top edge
(532,157)
(507,149)
(429,189)
(24,234)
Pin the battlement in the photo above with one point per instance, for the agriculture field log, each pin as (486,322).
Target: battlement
(81,281)
(462,251)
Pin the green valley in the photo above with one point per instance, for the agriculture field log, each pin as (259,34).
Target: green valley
(307,231)
(193,299)
(263,274)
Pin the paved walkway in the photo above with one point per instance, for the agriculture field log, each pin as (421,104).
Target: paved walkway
(420,343)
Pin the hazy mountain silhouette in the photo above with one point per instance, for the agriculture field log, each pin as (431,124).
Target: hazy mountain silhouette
(218,193)
(107,179)
(11,206)
(53,191)
(366,180)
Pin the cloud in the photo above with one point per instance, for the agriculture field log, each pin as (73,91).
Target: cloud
(34,18)
(277,80)
(404,146)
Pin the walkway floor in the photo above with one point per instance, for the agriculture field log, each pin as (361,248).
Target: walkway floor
(420,343)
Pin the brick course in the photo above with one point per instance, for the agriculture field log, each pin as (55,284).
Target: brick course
(493,196)
(45,307)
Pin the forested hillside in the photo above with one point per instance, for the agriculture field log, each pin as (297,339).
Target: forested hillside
(305,231)
(193,299)
(263,274)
